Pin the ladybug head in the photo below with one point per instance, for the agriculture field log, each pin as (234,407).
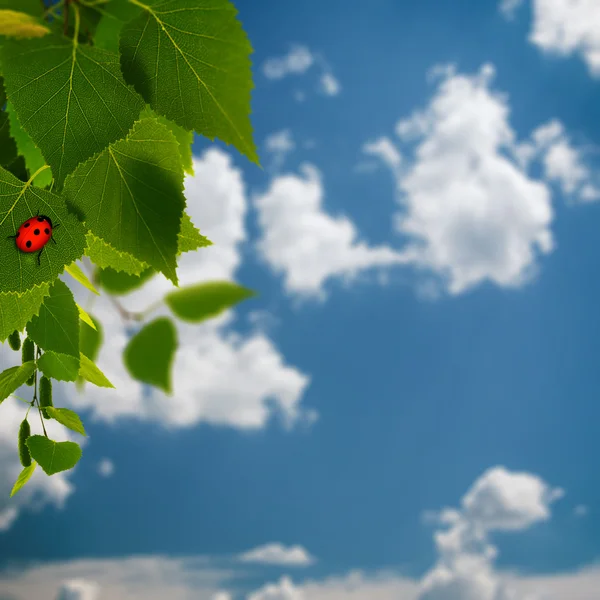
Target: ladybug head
(42,218)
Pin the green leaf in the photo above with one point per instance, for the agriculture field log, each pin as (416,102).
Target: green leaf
(114,15)
(31,7)
(26,148)
(90,372)
(202,301)
(8,147)
(76,273)
(192,65)
(61,367)
(85,317)
(190,238)
(56,328)
(52,456)
(70,98)
(104,255)
(13,378)
(139,182)
(23,478)
(21,25)
(68,418)
(19,271)
(16,310)
(90,341)
(119,283)
(149,354)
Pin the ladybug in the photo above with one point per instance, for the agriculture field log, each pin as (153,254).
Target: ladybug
(34,234)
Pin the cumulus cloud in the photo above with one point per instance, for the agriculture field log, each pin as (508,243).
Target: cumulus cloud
(279,144)
(219,377)
(78,589)
(330,86)
(106,467)
(566,27)
(282,590)
(297,61)
(509,7)
(278,554)
(307,245)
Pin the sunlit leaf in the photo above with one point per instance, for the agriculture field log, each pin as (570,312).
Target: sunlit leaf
(61,367)
(23,478)
(21,25)
(90,372)
(13,378)
(68,418)
(16,310)
(53,456)
(76,273)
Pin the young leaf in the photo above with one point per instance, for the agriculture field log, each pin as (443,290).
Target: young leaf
(70,98)
(19,271)
(21,25)
(140,180)
(61,367)
(149,354)
(85,317)
(119,283)
(13,378)
(53,456)
(190,238)
(56,327)
(90,372)
(16,310)
(23,478)
(202,301)
(26,148)
(68,418)
(76,273)
(90,341)
(192,65)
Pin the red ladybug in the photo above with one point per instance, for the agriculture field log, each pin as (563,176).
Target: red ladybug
(34,234)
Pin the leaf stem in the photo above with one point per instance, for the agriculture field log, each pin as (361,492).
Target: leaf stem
(30,181)
(35,398)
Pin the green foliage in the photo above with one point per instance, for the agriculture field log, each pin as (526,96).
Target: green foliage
(98,108)
(149,354)
(68,418)
(14,341)
(45,396)
(197,303)
(13,378)
(24,433)
(52,456)
(192,65)
(56,327)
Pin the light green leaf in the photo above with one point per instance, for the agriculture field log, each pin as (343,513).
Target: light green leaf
(26,148)
(68,418)
(192,65)
(21,25)
(138,182)
(56,328)
(23,478)
(196,303)
(190,238)
(13,378)
(90,341)
(119,283)
(16,310)
(149,354)
(53,456)
(85,317)
(104,255)
(76,273)
(70,98)
(90,372)
(61,367)
(19,271)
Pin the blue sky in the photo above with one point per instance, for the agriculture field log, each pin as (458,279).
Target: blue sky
(423,238)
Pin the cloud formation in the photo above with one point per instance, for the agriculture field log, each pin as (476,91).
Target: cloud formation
(278,554)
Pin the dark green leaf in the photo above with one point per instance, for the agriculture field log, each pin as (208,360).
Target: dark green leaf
(53,456)
(114,15)
(192,65)
(202,301)
(13,378)
(68,418)
(119,283)
(149,354)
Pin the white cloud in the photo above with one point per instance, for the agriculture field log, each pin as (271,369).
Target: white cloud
(278,554)
(307,245)
(283,590)
(78,589)
(297,61)
(509,7)
(219,377)
(279,144)
(384,149)
(106,467)
(567,27)
(468,212)
(221,596)
(330,86)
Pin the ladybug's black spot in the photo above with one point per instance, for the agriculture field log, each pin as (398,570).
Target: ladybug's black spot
(47,231)
(26,224)
(28,244)
(36,232)
(41,219)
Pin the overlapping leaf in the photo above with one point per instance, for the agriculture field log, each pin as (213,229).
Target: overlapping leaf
(31,7)
(119,283)
(53,456)
(190,62)
(56,328)
(104,255)
(190,238)
(21,25)
(70,98)
(149,354)
(61,367)
(74,270)
(16,310)
(68,418)
(114,15)
(137,182)
(19,271)
(8,146)
(90,340)
(90,372)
